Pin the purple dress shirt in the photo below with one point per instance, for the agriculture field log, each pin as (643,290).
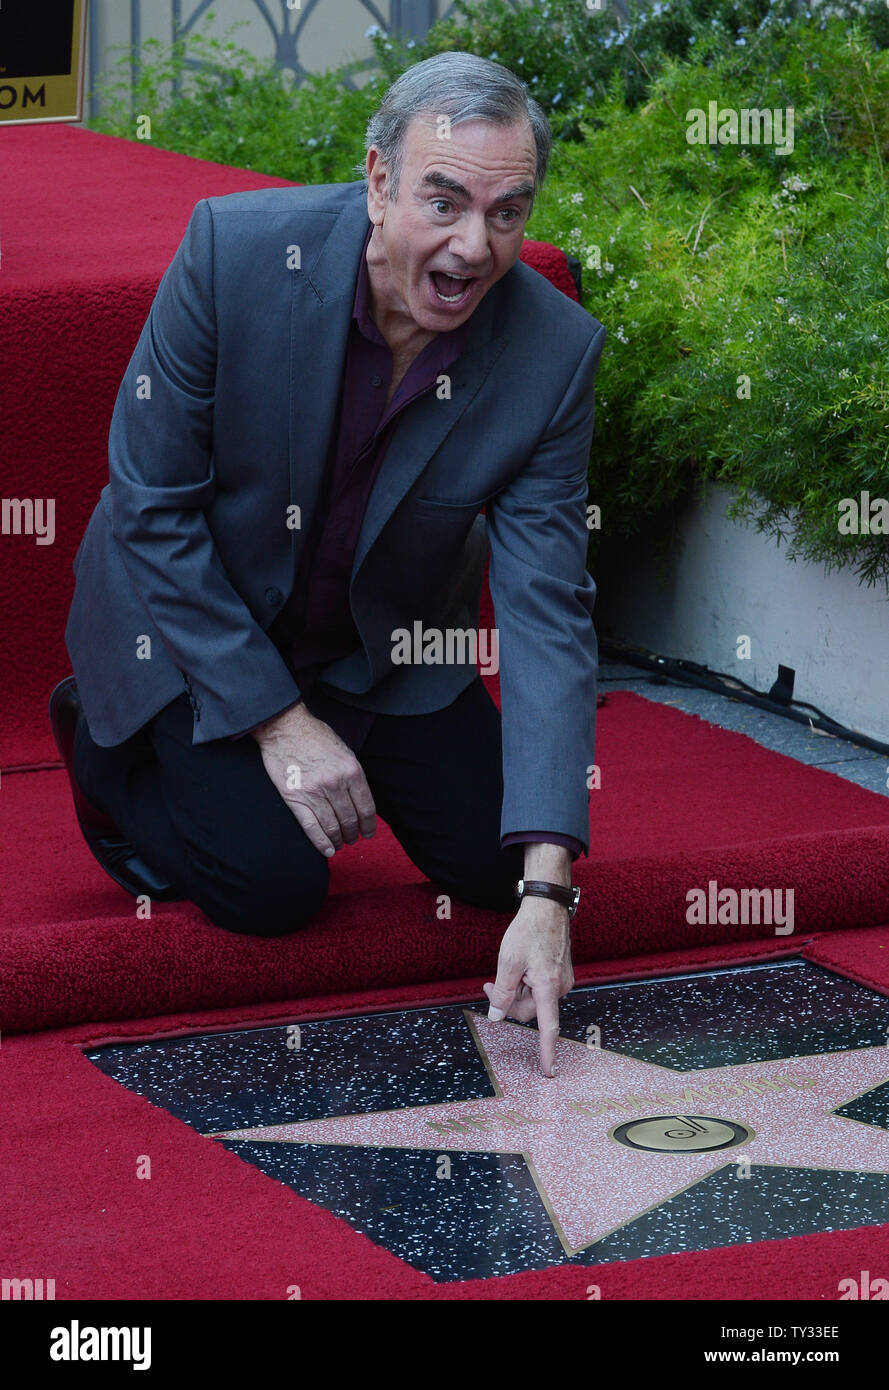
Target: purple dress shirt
(316,624)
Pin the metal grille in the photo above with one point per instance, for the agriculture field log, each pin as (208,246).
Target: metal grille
(410,19)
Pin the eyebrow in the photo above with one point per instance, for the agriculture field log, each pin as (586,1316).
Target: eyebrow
(436,179)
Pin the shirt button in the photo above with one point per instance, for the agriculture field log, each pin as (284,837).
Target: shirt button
(376,381)
(273,597)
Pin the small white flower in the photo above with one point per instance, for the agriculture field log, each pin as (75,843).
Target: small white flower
(621,335)
(577,197)
(793,318)
(845,372)
(839,317)
(609,267)
(634,284)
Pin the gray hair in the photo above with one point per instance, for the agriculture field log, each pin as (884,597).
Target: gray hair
(463,87)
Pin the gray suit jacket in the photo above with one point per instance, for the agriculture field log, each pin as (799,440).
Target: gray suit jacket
(221,426)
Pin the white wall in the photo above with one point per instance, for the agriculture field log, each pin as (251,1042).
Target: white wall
(728,580)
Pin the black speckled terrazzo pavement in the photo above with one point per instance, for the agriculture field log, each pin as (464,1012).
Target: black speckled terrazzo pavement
(430,1131)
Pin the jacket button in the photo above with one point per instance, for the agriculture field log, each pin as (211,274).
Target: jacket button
(273,597)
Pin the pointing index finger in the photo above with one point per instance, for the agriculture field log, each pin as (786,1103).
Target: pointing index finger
(547,1001)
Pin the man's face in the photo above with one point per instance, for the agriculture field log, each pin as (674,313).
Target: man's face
(450,215)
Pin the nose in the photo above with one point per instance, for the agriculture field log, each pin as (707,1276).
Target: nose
(469,243)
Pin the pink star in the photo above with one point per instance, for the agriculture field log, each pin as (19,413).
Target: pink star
(589,1182)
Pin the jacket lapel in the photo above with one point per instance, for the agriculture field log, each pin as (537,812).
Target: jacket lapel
(315,378)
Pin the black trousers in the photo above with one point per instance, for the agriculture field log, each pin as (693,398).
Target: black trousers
(210,820)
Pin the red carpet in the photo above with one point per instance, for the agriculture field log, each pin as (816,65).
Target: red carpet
(209,1226)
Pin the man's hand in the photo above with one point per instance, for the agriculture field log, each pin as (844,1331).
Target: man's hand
(319,777)
(534,971)
(534,966)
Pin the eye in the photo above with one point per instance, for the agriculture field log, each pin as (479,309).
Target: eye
(444,201)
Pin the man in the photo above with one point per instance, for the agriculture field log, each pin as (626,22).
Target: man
(331,385)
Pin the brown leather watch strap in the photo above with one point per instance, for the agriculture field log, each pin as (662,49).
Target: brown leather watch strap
(540,888)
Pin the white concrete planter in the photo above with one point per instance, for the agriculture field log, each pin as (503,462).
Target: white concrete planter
(726,581)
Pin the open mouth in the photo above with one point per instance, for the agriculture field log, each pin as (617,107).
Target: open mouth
(451,289)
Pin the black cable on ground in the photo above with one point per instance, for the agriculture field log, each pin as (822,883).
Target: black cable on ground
(669,668)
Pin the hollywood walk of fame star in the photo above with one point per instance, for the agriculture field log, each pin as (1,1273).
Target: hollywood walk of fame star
(563,1126)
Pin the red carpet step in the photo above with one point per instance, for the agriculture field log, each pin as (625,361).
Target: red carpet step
(682,803)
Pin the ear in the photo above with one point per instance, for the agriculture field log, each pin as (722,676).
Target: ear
(377,185)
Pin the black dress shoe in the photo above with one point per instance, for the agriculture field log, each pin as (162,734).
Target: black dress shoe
(117,856)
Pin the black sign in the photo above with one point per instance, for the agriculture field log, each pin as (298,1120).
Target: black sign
(36,38)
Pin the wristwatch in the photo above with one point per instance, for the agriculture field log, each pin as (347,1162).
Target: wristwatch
(539,888)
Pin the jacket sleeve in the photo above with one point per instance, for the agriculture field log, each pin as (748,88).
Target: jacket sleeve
(162,480)
(543,604)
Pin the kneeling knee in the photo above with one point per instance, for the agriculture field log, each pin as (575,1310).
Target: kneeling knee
(272,904)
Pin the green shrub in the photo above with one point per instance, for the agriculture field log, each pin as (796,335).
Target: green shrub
(571,55)
(712,265)
(745,291)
